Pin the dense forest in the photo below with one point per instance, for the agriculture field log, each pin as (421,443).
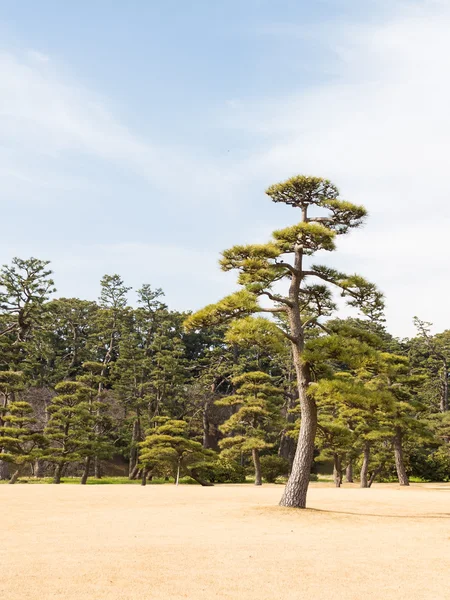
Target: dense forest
(270,382)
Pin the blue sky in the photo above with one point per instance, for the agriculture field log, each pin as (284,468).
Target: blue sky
(139,137)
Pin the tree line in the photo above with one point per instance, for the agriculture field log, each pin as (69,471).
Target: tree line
(270,379)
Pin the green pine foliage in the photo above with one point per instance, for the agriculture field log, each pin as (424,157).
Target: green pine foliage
(72,430)
(20,444)
(257,418)
(168,448)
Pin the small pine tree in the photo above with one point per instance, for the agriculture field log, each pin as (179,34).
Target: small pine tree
(70,426)
(168,446)
(258,414)
(19,443)
(98,444)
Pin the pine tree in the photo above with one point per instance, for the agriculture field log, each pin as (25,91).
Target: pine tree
(258,404)
(168,445)
(24,289)
(19,443)
(149,373)
(98,443)
(25,286)
(262,266)
(109,324)
(267,349)
(70,428)
(406,419)
(68,337)
(352,416)
(430,355)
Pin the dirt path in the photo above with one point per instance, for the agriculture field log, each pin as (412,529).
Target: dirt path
(162,542)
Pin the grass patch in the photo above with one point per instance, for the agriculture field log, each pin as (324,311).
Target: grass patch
(102,481)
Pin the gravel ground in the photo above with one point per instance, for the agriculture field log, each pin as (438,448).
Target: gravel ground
(118,542)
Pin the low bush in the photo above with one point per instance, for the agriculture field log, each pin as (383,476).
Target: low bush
(226,471)
(273,467)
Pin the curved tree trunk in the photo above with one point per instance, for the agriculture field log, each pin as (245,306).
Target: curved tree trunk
(58,473)
(399,461)
(193,473)
(87,466)
(257,465)
(297,486)
(15,477)
(374,474)
(135,472)
(337,470)
(365,466)
(349,472)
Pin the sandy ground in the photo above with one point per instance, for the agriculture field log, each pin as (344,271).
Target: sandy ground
(130,543)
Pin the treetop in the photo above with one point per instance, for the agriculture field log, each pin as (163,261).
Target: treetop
(303,190)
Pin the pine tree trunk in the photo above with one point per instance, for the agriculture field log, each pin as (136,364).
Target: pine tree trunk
(135,472)
(365,466)
(97,468)
(134,452)
(58,473)
(298,482)
(297,486)
(144,477)
(443,407)
(374,474)
(177,480)
(337,470)
(287,443)
(399,461)
(87,466)
(287,448)
(4,470)
(15,477)
(132,462)
(257,465)
(39,468)
(193,473)
(4,466)
(210,432)
(349,472)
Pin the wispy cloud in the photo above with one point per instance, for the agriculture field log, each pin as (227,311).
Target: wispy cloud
(46,116)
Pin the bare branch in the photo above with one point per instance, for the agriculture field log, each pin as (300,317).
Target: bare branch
(287,266)
(277,298)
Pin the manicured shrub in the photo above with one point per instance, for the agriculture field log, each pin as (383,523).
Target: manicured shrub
(226,471)
(273,467)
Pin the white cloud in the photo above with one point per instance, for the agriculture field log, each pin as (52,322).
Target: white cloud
(47,117)
(381,131)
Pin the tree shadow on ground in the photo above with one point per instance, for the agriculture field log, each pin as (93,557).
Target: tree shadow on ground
(381,516)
